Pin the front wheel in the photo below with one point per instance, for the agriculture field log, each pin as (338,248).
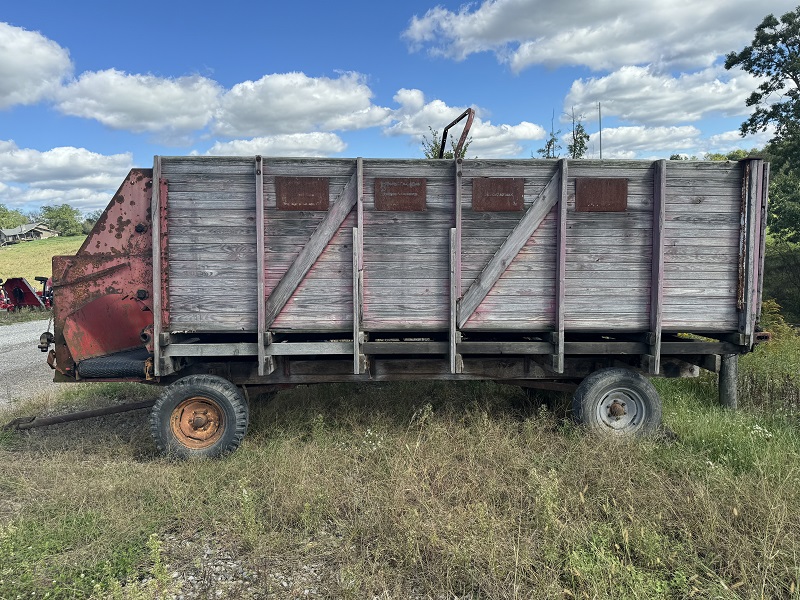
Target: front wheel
(201,416)
(617,402)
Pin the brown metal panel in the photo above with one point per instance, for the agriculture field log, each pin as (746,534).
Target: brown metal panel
(400,193)
(498,194)
(594,194)
(302,193)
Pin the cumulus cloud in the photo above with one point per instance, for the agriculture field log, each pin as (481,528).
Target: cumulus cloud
(141,103)
(66,174)
(294,102)
(642,95)
(633,142)
(31,66)
(605,34)
(292,144)
(415,116)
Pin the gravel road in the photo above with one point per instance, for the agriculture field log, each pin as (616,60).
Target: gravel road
(23,367)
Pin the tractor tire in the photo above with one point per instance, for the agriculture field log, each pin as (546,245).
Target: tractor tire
(617,402)
(199,416)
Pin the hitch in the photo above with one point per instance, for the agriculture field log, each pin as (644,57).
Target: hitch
(21,423)
(45,340)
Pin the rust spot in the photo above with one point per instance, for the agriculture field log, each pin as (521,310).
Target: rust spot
(302,193)
(498,194)
(400,193)
(119,198)
(601,194)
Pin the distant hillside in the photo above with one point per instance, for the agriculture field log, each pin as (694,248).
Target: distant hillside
(32,259)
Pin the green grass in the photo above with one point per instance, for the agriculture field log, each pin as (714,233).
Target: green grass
(34,259)
(427,489)
(30,260)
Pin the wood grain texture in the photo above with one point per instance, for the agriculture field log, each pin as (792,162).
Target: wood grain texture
(508,250)
(330,224)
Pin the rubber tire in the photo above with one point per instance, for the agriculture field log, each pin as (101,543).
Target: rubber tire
(586,403)
(223,392)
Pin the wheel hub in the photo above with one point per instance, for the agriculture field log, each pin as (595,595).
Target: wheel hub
(617,409)
(621,409)
(197,422)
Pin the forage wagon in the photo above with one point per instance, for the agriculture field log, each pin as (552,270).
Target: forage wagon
(223,277)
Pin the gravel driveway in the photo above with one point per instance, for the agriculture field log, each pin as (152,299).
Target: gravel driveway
(23,367)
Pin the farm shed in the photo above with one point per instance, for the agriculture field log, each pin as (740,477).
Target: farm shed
(24,233)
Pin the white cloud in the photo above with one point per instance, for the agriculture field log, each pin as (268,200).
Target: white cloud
(31,66)
(293,102)
(141,103)
(415,116)
(733,140)
(292,144)
(77,176)
(632,142)
(604,34)
(642,95)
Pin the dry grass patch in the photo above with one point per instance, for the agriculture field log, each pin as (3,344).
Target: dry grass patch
(408,490)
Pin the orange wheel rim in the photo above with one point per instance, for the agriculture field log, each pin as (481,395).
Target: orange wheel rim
(197,422)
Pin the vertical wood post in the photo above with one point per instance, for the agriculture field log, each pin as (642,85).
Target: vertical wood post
(359,360)
(266,364)
(728,375)
(456,362)
(561,267)
(653,359)
(155,227)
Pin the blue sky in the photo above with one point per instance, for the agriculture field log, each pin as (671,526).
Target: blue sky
(91,89)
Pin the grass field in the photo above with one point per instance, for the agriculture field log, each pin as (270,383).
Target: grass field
(426,490)
(30,260)
(34,259)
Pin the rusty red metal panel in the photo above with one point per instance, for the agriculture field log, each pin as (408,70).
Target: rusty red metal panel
(302,193)
(115,262)
(124,226)
(106,325)
(400,193)
(601,194)
(498,194)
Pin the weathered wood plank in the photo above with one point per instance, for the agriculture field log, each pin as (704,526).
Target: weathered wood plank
(456,362)
(506,253)
(311,251)
(158,325)
(265,365)
(208,350)
(657,275)
(561,267)
(307,348)
(405,348)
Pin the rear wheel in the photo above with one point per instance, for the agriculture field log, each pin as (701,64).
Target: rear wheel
(617,402)
(200,416)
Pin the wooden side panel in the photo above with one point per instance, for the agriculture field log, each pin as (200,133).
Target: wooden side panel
(522,299)
(701,246)
(407,254)
(324,299)
(609,254)
(212,243)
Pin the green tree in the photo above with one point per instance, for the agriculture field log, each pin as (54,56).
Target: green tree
(580,139)
(63,218)
(551,147)
(90,219)
(737,154)
(431,147)
(10,218)
(774,57)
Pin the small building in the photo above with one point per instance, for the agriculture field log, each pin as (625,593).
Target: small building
(27,232)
